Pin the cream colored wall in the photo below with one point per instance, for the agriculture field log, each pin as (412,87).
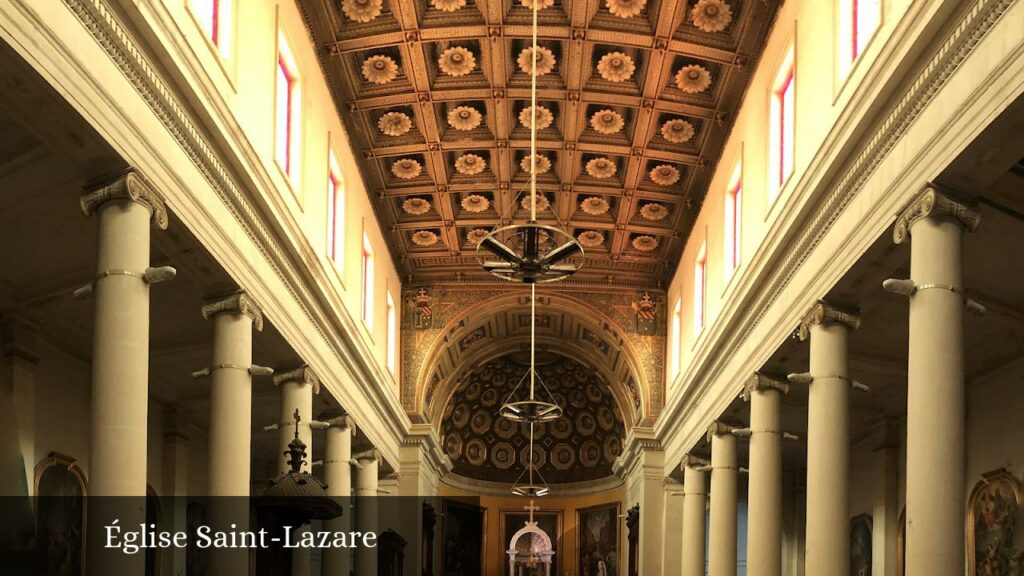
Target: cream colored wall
(62,405)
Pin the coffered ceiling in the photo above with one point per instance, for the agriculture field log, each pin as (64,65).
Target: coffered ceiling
(635,100)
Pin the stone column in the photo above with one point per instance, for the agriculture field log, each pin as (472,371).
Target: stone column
(338,476)
(935,376)
(828,440)
(365,491)
(671,563)
(175,488)
(764,507)
(695,506)
(297,389)
(722,551)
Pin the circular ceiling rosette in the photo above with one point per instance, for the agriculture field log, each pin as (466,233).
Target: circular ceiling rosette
(394,124)
(612,448)
(626,8)
(542,164)
(540,456)
(693,79)
(563,457)
(379,69)
(476,451)
(664,175)
(607,121)
(543,117)
(505,428)
(476,203)
(470,164)
(711,15)
(475,235)
(448,5)
(541,4)
(362,10)
(590,453)
(503,456)
(653,211)
(601,168)
(453,445)
(489,398)
(560,428)
(464,118)
(456,61)
(543,60)
(424,238)
(460,416)
(605,418)
(406,168)
(594,206)
(616,67)
(590,238)
(416,206)
(481,422)
(645,243)
(586,424)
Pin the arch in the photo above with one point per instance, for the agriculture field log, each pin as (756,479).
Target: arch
(61,512)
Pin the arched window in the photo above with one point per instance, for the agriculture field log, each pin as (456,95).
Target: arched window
(61,488)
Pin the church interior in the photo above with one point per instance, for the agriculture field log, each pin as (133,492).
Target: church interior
(518,287)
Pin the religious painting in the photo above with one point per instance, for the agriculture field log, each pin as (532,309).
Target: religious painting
(860,545)
(598,547)
(462,554)
(991,521)
(61,491)
(548,521)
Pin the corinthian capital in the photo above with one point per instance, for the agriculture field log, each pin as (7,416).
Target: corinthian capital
(240,303)
(303,375)
(931,203)
(761,381)
(822,313)
(132,187)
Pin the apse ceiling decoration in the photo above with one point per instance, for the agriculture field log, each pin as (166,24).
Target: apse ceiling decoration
(642,83)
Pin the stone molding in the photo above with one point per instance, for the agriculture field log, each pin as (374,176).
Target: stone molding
(303,375)
(934,203)
(131,187)
(824,313)
(241,304)
(761,382)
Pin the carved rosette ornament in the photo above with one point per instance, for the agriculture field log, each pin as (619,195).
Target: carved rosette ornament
(424,238)
(664,175)
(607,122)
(653,211)
(542,164)
(475,235)
(130,187)
(542,117)
(543,59)
(456,61)
(590,238)
(394,124)
(626,8)
(677,131)
(542,4)
(379,69)
(645,243)
(542,202)
(464,118)
(601,168)
(475,203)
(760,382)
(822,313)
(693,79)
(406,168)
(240,304)
(594,206)
(448,5)
(616,67)
(416,206)
(711,15)
(470,164)
(304,375)
(932,203)
(362,10)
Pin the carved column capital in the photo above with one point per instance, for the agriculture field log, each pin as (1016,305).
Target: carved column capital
(343,422)
(239,303)
(132,187)
(371,454)
(762,381)
(822,313)
(932,202)
(719,428)
(303,375)
(693,461)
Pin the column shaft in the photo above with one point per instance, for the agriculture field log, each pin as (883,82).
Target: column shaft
(764,518)
(722,551)
(695,501)
(338,476)
(365,491)
(231,405)
(673,531)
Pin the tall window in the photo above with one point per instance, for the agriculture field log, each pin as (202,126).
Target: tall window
(286,112)
(367,291)
(335,213)
(214,18)
(858,21)
(782,126)
(700,284)
(392,345)
(675,339)
(733,223)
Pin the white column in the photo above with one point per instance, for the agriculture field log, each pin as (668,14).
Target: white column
(365,491)
(338,477)
(671,564)
(764,507)
(828,440)
(649,475)
(935,377)
(722,538)
(297,389)
(695,506)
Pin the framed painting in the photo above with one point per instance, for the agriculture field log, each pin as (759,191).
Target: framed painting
(860,545)
(61,492)
(597,549)
(547,520)
(991,519)
(463,549)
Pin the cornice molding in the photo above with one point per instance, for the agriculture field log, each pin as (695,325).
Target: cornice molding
(575,489)
(934,203)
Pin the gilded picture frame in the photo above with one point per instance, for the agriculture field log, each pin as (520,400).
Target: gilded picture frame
(992,511)
(588,539)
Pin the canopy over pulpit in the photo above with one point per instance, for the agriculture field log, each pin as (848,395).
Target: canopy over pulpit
(530,552)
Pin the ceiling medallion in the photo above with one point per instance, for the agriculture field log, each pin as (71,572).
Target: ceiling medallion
(607,122)
(654,211)
(601,168)
(645,243)
(394,123)
(424,238)
(542,202)
(543,117)
(542,164)
(664,175)
(616,67)
(361,10)
(406,168)
(626,8)
(594,205)
(544,60)
(590,238)
(677,131)
(711,15)
(379,69)
(448,5)
(693,79)
(475,203)
(470,164)
(456,61)
(416,206)
(475,235)
(464,118)
(541,4)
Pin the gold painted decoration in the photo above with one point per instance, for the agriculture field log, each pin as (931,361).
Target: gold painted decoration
(448,5)
(664,175)
(406,168)
(711,15)
(616,67)
(542,202)
(543,59)
(607,121)
(543,4)
(654,211)
(677,131)
(457,61)
(379,69)
(601,168)
(693,79)
(470,164)
(626,8)
(542,117)
(416,206)
(362,10)
(594,206)
(464,118)
(475,203)
(394,123)
(590,238)
(475,235)
(424,238)
(542,163)
(645,243)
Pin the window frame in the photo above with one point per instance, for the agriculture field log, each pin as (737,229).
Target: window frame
(220,33)
(391,342)
(700,288)
(336,225)
(857,25)
(676,340)
(782,126)
(368,282)
(286,68)
(733,226)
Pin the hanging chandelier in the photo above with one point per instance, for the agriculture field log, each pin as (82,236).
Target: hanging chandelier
(535,486)
(531,410)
